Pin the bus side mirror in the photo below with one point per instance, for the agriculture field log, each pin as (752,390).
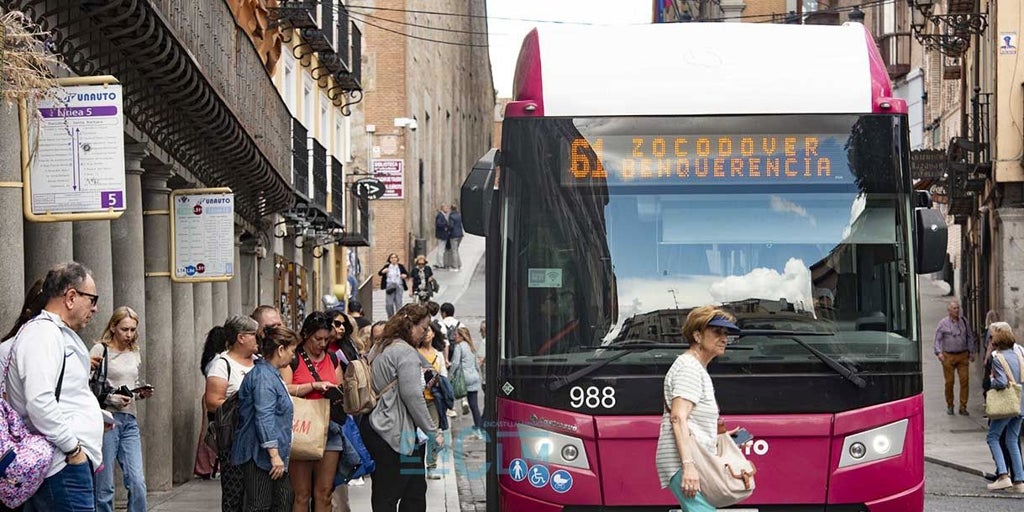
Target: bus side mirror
(922,199)
(929,240)
(477,194)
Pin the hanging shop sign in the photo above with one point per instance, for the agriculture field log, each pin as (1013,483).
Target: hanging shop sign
(390,172)
(72,151)
(369,189)
(202,235)
(928,163)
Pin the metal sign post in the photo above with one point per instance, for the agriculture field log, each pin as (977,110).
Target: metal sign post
(72,154)
(202,235)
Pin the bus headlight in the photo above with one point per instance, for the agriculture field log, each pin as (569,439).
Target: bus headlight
(546,446)
(875,444)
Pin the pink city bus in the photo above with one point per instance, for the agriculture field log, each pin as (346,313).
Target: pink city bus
(647,170)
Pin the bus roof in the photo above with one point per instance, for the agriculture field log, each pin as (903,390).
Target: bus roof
(700,69)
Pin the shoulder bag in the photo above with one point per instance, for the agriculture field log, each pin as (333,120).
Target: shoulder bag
(1005,403)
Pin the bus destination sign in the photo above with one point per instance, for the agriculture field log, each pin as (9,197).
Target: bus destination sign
(708,160)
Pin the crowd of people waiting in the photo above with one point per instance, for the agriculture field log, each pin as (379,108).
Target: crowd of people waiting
(76,406)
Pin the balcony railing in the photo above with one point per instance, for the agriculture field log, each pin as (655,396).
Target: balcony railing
(318,155)
(300,158)
(357,223)
(337,190)
(295,14)
(895,50)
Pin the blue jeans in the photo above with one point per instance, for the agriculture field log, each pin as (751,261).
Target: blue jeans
(995,432)
(694,504)
(70,490)
(122,443)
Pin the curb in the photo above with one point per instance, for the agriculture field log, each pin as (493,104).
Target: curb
(954,465)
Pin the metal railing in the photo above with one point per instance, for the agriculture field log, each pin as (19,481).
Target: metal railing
(300,158)
(337,190)
(318,153)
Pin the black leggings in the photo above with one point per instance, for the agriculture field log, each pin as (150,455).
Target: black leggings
(399,482)
(474,407)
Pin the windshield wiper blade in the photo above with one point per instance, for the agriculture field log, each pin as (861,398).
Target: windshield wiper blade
(623,349)
(839,368)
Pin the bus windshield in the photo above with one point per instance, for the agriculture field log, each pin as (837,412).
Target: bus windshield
(616,227)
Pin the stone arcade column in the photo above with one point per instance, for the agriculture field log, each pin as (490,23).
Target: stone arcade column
(202,294)
(1010,278)
(182,361)
(46,244)
(220,304)
(244,276)
(92,249)
(12,255)
(157,442)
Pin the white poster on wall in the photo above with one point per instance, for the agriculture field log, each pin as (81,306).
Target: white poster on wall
(203,233)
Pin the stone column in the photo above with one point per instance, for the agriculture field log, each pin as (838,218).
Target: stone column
(157,441)
(92,249)
(220,305)
(46,244)
(12,254)
(1010,278)
(183,365)
(204,304)
(244,277)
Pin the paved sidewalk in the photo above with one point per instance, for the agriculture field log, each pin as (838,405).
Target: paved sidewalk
(956,441)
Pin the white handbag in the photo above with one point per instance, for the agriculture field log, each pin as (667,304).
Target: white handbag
(726,476)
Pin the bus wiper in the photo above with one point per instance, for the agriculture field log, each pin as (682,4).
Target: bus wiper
(839,368)
(622,348)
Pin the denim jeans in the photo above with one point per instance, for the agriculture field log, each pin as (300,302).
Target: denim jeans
(995,432)
(122,443)
(70,490)
(694,504)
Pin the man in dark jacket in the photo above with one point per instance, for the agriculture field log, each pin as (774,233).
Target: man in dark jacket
(455,233)
(442,231)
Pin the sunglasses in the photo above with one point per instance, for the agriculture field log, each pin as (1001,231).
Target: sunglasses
(339,324)
(93,299)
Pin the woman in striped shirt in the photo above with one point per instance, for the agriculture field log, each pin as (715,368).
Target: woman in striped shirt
(691,412)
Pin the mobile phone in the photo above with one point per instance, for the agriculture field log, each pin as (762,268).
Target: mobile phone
(142,387)
(334,394)
(741,436)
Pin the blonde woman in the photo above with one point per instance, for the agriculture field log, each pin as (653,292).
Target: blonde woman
(464,360)
(118,350)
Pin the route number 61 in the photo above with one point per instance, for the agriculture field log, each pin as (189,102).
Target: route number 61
(592,397)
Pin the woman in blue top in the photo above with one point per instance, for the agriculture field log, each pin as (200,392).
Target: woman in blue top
(1005,352)
(263,438)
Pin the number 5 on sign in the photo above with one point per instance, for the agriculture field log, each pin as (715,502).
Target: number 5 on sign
(592,397)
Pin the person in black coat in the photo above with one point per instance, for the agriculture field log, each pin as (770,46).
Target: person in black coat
(394,280)
(423,283)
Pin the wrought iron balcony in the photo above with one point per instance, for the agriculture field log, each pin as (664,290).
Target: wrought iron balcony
(295,14)
(895,50)
(357,225)
(318,155)
(300,158)
(352,81)
(337,190)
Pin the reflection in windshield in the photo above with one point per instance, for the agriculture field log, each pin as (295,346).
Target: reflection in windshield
(595,263)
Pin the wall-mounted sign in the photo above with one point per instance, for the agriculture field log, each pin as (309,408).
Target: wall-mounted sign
(1007,43)
(369,189)
(390,172)
(73,152)
(928,163)
(202,235)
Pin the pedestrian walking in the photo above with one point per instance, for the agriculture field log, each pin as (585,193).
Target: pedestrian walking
(121,362)
(1007,367)
(986,384)
(691,410)
(438,369)
(264,437)
(455,234)
(355,310)
(423,283)
(313,372)
(955,348)
(394,280)
(464,361)
(48,386)
(442,232)
(389,431)
(228,355)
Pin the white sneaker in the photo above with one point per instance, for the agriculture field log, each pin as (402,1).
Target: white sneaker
(1003,482)
(452,414)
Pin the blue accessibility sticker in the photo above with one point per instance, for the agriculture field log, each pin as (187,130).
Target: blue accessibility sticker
(561,481)
(517,470)
(539,476)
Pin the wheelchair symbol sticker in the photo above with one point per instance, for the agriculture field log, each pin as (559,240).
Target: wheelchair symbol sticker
(561,481)
(517,470)
(538,476)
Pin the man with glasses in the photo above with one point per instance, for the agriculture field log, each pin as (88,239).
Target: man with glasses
(48,385)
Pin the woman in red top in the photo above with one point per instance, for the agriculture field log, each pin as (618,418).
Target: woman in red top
(314,478)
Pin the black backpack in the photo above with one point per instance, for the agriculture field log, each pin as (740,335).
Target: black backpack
(220,431)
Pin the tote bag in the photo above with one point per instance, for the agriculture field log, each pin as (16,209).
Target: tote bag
(726,476)
(1005,403)
(309,428)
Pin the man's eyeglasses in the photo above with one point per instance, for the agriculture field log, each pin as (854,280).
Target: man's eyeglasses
(92,297)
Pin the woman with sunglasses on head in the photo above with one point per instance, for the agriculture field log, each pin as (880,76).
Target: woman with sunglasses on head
(228,355)
(315,370)
(118,349)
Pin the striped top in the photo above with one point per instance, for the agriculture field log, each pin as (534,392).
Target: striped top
(689,380)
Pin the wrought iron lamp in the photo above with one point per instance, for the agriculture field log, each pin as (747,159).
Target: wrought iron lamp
(952,32)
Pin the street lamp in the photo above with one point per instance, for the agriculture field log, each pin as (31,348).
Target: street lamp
(856,15)
(952,31)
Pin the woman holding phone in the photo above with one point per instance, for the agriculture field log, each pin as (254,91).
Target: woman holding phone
(118,351)
(691,411)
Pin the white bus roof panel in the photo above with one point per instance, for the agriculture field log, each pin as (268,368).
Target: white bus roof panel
(703,68)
